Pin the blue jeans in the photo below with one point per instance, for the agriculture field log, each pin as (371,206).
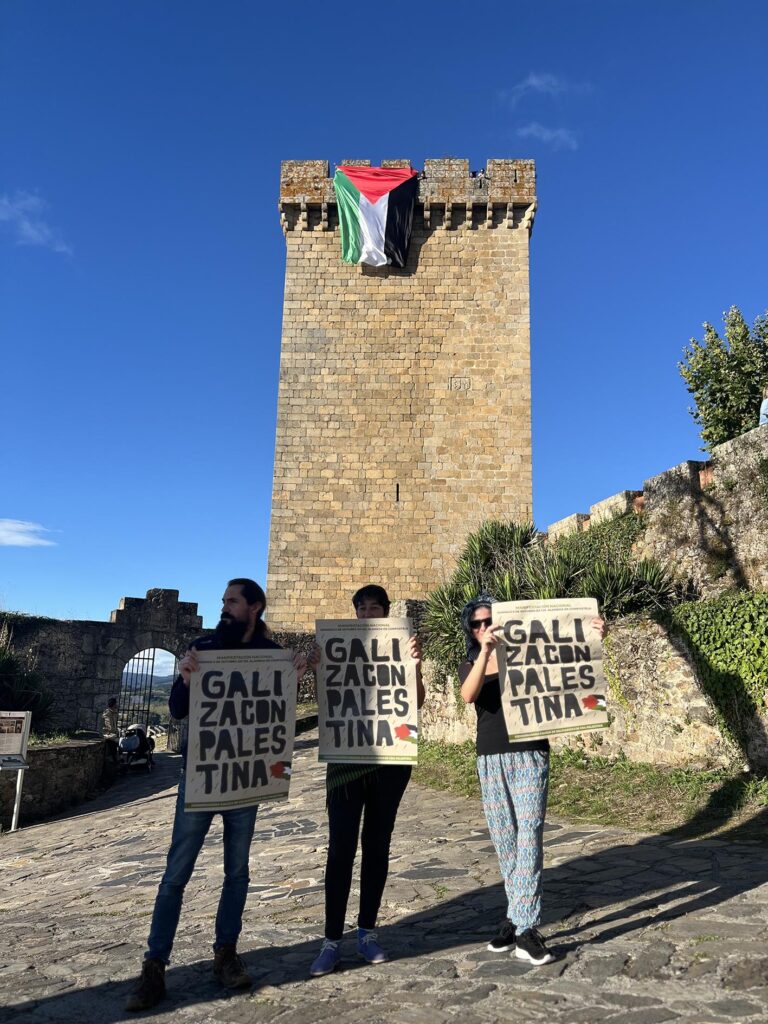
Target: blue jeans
(189,831)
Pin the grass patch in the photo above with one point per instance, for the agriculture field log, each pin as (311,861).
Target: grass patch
(621,793)
(41,739)
(448,766)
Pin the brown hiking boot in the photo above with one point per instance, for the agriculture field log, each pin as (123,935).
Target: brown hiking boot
(229,968)
(150,988)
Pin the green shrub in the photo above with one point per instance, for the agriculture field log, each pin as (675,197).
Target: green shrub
(21,686)
(611,538)
(510,561)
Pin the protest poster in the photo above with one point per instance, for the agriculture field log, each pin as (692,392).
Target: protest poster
(242,721)
(550,667)
(366,692)
(14,733)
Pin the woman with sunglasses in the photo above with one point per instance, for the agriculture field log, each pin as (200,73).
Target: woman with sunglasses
(513,784)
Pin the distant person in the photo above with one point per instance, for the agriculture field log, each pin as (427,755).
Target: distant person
(241,626)
(109,728)
(355,792)
(764,408)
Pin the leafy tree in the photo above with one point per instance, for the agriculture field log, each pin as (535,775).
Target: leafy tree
(726,377)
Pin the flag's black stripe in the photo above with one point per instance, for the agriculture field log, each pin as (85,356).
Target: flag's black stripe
(397,231)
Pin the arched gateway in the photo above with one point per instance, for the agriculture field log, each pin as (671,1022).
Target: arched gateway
(83,661)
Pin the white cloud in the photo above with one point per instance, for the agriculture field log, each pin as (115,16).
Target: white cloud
(23,213)
(542,83)
(557,138)
(164,662)
(15,533)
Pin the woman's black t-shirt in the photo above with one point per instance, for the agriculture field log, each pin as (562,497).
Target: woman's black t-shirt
(492,735)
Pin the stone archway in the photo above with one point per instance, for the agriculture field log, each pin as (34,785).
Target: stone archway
(82,661)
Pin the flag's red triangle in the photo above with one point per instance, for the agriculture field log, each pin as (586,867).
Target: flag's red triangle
(375,182)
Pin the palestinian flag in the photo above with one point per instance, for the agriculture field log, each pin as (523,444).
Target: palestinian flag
(409,733)
(375,213)
(594,702)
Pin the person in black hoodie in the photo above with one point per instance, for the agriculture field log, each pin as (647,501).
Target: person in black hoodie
(241,626)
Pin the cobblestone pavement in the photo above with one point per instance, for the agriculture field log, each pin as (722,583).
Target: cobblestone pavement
(647,929)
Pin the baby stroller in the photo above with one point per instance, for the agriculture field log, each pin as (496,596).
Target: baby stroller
(136,749)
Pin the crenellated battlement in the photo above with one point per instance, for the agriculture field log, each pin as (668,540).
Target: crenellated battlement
(505,188)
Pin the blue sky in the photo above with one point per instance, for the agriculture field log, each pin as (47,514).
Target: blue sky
(141,258)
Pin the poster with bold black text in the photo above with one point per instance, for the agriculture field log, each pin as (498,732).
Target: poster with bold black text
(366,692)
(242,721)
(550,667)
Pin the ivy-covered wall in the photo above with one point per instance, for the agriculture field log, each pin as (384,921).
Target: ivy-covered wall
(727,638)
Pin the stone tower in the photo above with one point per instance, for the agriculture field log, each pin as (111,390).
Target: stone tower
(404,402)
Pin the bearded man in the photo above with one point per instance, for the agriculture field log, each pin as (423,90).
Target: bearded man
(241,626)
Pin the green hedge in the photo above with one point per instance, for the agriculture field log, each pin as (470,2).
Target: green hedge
(728,638)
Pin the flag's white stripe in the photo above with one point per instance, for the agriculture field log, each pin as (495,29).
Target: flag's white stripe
(373,222)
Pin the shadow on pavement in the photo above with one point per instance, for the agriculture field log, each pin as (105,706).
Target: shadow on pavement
(657,880)
(126,789)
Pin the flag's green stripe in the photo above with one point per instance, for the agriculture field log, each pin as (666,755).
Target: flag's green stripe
(348,202)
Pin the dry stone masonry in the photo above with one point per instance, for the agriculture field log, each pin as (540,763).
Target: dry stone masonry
(60,775)
(707,520)
(83,661)
(388,378)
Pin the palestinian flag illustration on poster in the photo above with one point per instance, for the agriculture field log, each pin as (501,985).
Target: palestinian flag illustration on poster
(594,702)
(409,733)
(375,213)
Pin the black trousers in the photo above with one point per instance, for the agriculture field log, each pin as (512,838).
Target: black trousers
(375,798)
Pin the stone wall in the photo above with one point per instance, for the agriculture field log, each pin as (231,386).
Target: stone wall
(708,521)
(660,713)
(386,376)
(59,776)
(82,661)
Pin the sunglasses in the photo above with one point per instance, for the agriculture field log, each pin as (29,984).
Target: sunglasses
(477,623)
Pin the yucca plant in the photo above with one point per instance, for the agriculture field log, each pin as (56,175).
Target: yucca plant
(509,561)
(493,560)
(445,640)
(551,572)
(655,585)
(495,547)
(612,583)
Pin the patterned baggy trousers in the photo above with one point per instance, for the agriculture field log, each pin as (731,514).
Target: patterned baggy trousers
(514,791)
